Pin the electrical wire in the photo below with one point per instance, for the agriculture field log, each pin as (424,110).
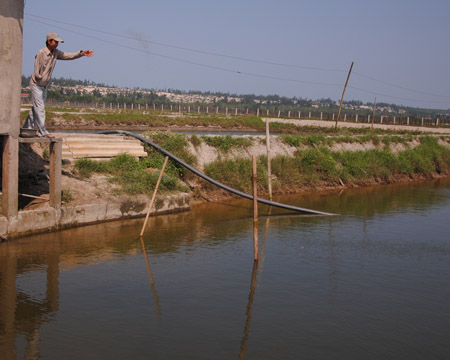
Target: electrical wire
(189,61)
(236,58)
(190,49)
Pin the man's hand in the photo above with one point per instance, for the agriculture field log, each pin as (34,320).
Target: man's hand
(87,53)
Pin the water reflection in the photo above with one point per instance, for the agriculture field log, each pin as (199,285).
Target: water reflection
(255,271)
(150,277)
(377,283)
(21,312)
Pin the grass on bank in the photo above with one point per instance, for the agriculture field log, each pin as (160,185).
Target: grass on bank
(321,165)
(134,177)
(140,177)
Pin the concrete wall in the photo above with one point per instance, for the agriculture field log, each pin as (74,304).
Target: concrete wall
(50,219)
(11,25)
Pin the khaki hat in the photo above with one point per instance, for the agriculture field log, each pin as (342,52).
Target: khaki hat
(54,36)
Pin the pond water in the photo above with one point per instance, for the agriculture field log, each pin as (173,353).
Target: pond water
(373,283)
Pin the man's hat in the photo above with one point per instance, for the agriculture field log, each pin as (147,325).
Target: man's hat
(54,36)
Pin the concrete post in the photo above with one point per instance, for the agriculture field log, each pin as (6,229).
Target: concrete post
(11,25)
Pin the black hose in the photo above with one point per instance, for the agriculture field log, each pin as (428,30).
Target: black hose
(212,181)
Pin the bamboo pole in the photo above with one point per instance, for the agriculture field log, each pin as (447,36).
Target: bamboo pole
(255,210)
(154,194)
(269,166)
(343,93)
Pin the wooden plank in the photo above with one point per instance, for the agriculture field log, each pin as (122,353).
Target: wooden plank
(10,176)
(55,173)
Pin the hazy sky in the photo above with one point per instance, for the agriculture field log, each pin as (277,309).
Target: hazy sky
(287,47)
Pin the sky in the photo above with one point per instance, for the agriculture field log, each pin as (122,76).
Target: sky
(293,48)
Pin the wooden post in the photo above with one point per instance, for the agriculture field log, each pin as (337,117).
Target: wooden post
(255,209)
(55,173)
(343,93)
(356,118)
(269,165)
(310,114)
(257,112)
(373,118)
(10,175)
(154,194)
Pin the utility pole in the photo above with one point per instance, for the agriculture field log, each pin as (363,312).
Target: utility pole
(343,93)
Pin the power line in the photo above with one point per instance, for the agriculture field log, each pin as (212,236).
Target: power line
(191,62)
(400,87)
(190,49)
(232,57)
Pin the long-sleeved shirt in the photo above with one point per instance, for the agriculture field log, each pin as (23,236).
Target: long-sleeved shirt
(45,63)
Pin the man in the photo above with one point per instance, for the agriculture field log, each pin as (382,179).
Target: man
(43,67)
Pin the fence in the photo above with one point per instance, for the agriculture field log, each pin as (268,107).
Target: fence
(362,117)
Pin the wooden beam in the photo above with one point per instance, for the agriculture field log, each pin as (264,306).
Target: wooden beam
(10,175)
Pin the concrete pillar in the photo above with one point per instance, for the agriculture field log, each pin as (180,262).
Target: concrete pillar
(11,25)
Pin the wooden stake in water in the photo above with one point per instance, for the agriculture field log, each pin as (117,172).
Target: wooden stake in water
(154,195)
(255,209)
(269,166)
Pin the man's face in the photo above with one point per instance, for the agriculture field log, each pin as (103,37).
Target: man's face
(52,44)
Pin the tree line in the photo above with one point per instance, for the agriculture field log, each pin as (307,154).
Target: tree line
(65,90)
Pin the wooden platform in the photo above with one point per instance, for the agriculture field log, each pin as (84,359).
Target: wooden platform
(99,147)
